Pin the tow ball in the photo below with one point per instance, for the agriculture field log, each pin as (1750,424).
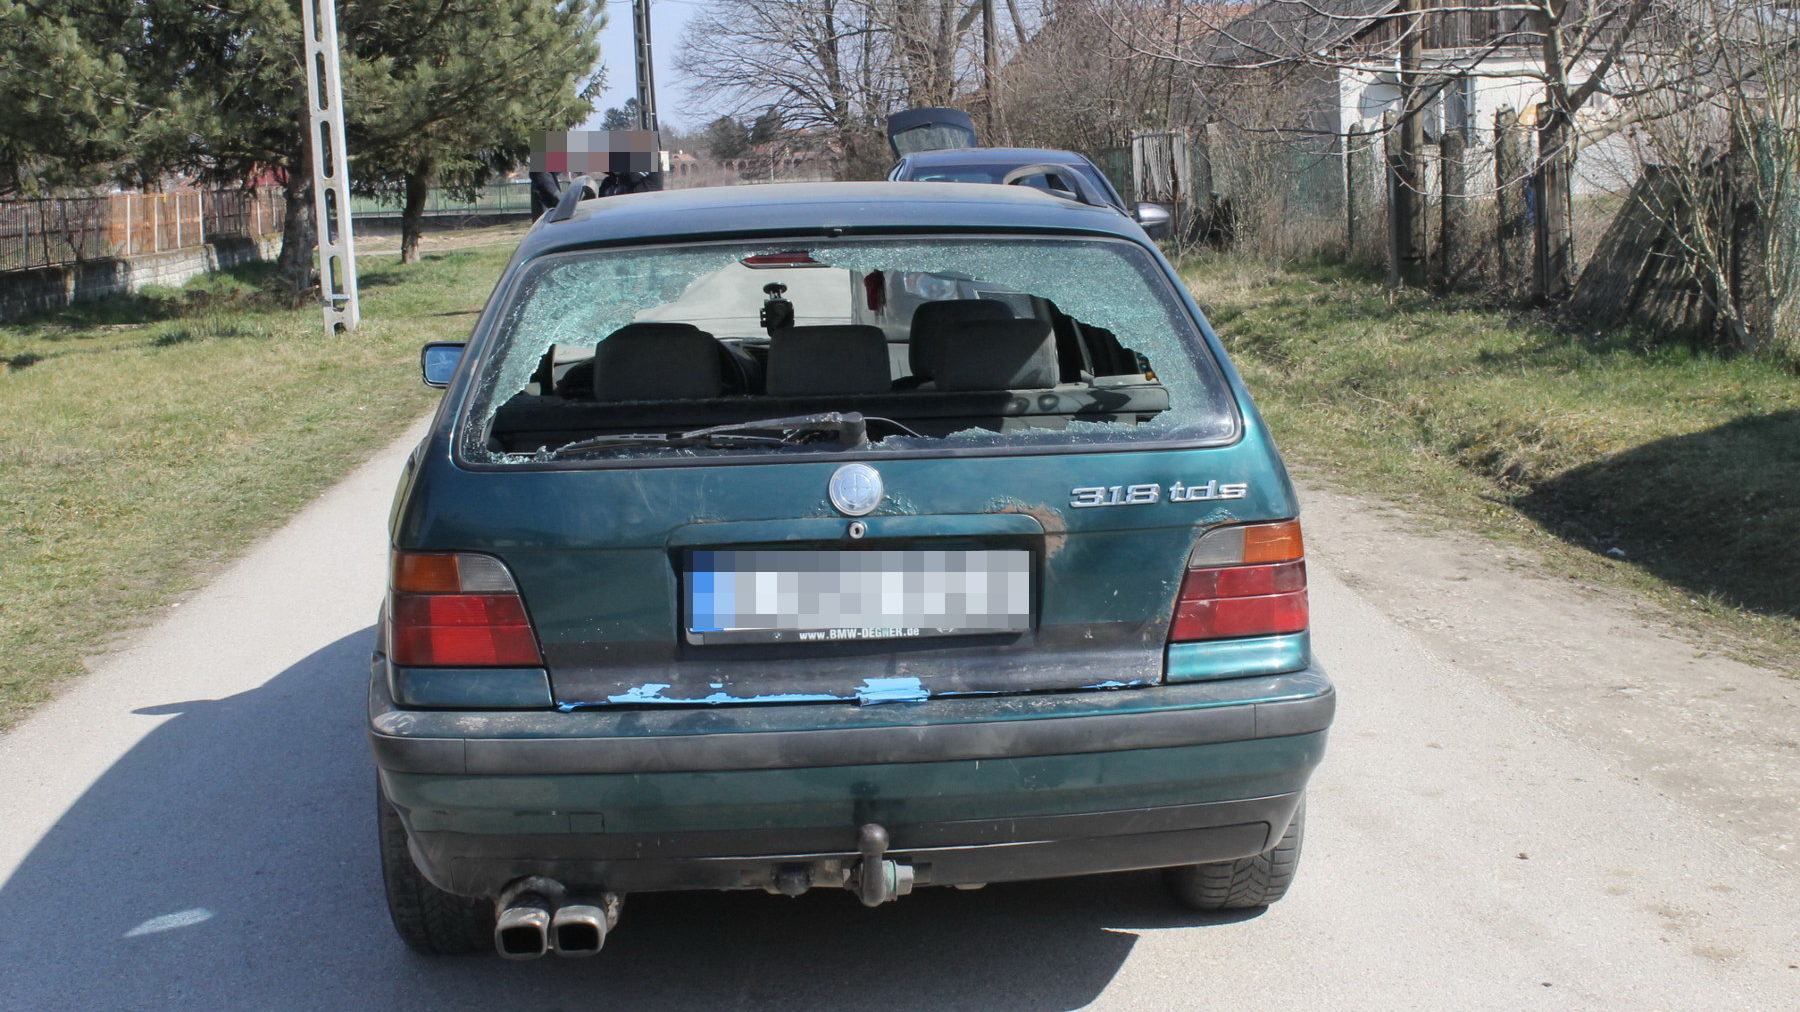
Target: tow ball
(877,879)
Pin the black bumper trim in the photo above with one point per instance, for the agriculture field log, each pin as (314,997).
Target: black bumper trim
(949,853)
(551,743)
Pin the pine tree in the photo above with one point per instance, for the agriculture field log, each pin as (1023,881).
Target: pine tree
(229,80)
(67,109)
(450,92)
(623,117)
(727,139)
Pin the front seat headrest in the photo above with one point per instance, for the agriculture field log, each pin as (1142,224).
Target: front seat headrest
(658,362)
(926,342)
(843,359)
(998,355)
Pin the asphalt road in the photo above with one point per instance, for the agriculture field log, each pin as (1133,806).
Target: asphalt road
(192,826)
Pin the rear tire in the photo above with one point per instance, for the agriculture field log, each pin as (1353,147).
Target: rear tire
(428,919)
(1246,883)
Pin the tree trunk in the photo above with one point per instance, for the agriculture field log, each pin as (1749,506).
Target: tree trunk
(1512,232)
(990,63)
(412,214)
(1451,203)
(1555,261)
(295,264)
(1406,257)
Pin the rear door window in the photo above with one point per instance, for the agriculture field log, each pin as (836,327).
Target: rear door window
(972,343)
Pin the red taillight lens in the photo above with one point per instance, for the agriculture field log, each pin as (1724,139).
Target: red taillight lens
(1243,581)
(1250,581)
(1228,617)
(457,611)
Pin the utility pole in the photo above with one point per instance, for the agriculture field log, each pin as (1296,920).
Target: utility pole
(646,74)
(330,166)
(990,59)
(646,85)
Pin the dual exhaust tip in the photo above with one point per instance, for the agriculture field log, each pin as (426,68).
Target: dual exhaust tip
(532,923)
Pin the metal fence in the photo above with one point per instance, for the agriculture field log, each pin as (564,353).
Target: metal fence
(491,198)
(52,231)
(42,233)
(244,212)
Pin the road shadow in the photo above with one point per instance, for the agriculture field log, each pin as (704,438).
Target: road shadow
(1715,511)
(229,860)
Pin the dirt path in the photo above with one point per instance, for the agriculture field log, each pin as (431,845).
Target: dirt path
(194,820)
(1719,736)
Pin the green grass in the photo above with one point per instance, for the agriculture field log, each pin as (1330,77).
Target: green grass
(1632,461)
(145,440)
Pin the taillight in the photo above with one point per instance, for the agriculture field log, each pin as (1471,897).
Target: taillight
(455,610)
(1243,581)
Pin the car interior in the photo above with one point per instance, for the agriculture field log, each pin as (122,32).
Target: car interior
(921,355)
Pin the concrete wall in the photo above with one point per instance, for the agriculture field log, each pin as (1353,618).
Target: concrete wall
(385,223)
(25,292)
(1502,80)
(39,289)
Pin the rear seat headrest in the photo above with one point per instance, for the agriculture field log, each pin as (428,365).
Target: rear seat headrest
(998,355)
(658,362)
(926,341)
(845,359)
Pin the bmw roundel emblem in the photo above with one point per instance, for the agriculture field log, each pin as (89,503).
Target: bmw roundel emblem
(856,489)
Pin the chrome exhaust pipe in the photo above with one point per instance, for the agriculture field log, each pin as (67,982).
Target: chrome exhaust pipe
(522,928)
(522,932)
(533,917)
(578,929)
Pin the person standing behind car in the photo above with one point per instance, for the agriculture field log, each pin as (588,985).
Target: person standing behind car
(546,191)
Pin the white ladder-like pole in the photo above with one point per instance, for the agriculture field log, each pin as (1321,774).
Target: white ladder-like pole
(331,170)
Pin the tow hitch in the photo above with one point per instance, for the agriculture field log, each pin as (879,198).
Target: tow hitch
(876,879)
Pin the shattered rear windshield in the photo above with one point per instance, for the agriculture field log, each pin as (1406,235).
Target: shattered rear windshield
(818,345)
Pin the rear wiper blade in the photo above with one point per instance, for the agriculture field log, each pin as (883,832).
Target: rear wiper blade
(850,427)
(631,440)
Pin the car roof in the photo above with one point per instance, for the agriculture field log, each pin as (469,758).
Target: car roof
(996,156)
(819,208)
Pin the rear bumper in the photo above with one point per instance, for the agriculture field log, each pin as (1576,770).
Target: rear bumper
(969,790)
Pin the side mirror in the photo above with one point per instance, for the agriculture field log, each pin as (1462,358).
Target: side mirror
(437,362)
(1154,217)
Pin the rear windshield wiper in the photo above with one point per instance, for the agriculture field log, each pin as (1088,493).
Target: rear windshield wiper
(850,427)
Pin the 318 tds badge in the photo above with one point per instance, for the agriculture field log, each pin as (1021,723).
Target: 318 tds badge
(1144,495)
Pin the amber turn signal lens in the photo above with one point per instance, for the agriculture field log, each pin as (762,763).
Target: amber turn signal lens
(1273,543)
(426,574)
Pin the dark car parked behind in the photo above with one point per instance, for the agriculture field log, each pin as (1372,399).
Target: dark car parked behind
(1041,168)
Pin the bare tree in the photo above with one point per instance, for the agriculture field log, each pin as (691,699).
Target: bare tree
(1566,50)
(1076,84)
(1715,118)
(836,66)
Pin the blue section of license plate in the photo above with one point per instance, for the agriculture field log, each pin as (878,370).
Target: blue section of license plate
(763,596)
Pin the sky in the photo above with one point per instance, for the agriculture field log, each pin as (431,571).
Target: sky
(668,18)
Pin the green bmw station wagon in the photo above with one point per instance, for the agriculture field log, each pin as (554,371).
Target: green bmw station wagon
(864,536)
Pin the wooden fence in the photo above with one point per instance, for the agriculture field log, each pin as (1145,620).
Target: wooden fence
(1474,220)
(53,231)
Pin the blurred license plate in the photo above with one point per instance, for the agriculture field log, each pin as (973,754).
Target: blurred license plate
(793,596)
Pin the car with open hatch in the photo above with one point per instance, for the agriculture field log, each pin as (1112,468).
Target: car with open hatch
(862,536)
(938,145)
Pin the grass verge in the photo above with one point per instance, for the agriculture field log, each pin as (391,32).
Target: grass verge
(144,440)
(1670,470)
